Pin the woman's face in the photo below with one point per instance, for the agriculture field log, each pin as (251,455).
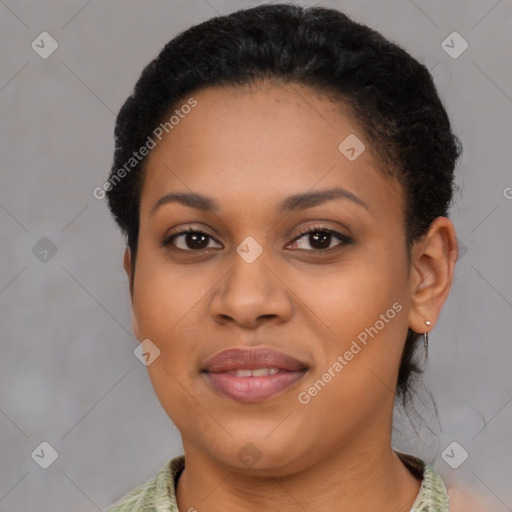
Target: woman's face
(338,302)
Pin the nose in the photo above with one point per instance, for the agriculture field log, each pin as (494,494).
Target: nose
(250,293)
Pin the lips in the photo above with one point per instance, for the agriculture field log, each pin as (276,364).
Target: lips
(252,359)
(252,375)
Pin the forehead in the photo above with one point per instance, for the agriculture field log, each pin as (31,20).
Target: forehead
(255,141)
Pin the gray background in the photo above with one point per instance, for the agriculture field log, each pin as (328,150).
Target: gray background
(68,375)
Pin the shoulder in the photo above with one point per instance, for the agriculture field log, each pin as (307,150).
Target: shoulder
(436,494)
(156,494)
(465,500)
(432,494)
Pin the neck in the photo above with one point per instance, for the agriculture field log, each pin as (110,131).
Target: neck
(356,478)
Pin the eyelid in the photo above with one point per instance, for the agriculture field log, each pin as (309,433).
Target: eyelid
(183,231)
(344,239)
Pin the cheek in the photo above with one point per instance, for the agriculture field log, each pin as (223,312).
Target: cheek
(356,296)
(163,293)
(170,306)
(365,308)
(167,313)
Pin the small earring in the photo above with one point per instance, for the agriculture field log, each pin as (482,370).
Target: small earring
(425,336)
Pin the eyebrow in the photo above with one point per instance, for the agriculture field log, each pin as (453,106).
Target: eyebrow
(301,201)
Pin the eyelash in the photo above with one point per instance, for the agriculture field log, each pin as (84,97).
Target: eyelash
(344,240)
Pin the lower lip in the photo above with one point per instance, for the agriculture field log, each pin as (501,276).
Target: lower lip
(253,389)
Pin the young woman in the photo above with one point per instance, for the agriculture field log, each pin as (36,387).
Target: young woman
(283,177)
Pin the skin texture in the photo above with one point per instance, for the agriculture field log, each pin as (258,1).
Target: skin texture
(248,148)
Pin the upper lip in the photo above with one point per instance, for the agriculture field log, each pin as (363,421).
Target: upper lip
(251,359)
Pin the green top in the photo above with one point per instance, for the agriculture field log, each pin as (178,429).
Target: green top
(158,494)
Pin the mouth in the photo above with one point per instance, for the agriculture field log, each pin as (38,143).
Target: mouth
(252,375)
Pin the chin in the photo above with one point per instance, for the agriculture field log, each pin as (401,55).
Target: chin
(260,456)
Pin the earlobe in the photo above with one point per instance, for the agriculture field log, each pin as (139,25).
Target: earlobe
(128,268)
(433,267)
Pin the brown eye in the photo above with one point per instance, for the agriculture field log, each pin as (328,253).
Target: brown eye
(190,240)
(321,238)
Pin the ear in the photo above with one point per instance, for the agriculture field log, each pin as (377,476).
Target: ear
(432,271)
(128,268)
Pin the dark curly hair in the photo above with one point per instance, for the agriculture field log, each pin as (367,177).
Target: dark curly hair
(391,95)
